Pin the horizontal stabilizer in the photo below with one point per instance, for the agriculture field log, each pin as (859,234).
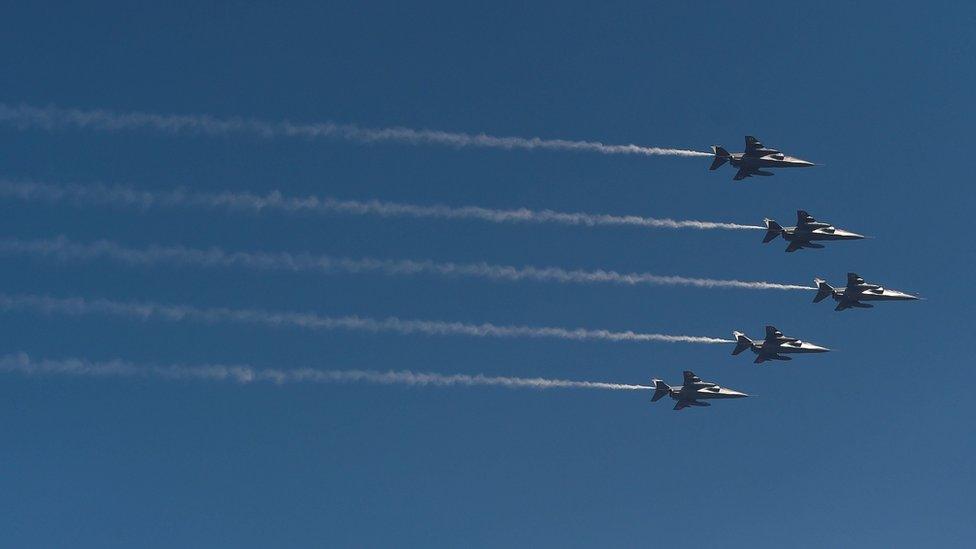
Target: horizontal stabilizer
(824,290)
(741,342)
(773,229)
(721,157)
(660,390)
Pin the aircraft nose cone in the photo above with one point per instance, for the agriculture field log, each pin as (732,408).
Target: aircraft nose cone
(817,348)
(798,162)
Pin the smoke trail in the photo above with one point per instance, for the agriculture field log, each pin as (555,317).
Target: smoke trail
(275,201)
(54,118)
(21,363)
(311,321)
(63,249)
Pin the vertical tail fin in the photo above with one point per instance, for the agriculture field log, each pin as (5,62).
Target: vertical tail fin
(741,342)
(721,157)
(773,229)
(824,290)
(661,389)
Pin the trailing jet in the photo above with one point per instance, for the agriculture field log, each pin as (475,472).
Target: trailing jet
(692,392)
(774,346)
(807,230)
(857,291)
(755,157)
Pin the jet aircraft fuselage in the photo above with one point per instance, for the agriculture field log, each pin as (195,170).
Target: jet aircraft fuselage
(775,160)
(856,292)
(756,157)
(775,346)
(693,391)
(798,234)
(806,232)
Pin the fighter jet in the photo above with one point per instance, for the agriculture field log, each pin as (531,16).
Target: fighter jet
(692,392)
(774,346)
(857,291)
(806,231)
(755,157)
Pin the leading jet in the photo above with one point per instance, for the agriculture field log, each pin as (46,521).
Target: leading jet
(692,392)
(857,291)
(774,346)
(755,157)
(807,230)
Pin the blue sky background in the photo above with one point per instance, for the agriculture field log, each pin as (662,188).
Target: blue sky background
(866,446)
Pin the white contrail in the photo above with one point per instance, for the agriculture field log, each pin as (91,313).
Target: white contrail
(313,321)
(96,194)
(63,249)
(55,118)
(21,363)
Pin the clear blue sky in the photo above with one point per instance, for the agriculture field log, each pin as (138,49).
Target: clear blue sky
(867,446)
